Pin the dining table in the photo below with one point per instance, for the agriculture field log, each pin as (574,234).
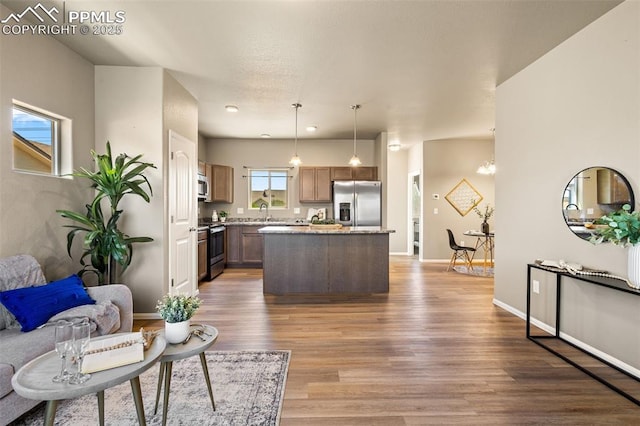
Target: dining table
(485,241)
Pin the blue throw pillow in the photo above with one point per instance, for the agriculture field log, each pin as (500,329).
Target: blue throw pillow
(33,306)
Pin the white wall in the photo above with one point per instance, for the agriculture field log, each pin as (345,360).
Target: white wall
(577,106)
(398,202)
(135,108)
(446,163)
(44,73)
(129,116)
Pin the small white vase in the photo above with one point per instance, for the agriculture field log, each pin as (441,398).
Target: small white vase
(176,332)
(633,265)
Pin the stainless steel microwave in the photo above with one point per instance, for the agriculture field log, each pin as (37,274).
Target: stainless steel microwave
(203,187)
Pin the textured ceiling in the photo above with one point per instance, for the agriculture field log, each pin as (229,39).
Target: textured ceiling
(422,70)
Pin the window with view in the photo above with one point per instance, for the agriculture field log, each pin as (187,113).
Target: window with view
(268,188)
(36,140)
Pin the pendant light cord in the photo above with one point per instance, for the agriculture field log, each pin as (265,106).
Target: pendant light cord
(296,106)
(295,160)
(355,126)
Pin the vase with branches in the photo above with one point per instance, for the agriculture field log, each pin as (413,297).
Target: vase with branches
(485,216)
(104,244)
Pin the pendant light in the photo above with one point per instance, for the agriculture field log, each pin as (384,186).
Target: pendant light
(295,160)
(355,161)
(489,167)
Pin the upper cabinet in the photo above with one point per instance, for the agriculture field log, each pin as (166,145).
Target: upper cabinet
(315,184)
(220,183)
(354,173)
(202,168)
(612,187)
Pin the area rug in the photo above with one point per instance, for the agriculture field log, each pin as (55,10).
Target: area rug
(248,388)
(477,271)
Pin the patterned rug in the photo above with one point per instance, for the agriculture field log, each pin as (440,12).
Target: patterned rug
(477,270)
(248,388)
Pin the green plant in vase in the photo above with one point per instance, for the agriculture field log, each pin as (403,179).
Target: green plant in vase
(177,308)
(176,311)
(485,216)
(104,244)
(622,228)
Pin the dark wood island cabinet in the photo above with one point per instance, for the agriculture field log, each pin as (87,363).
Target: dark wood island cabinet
(301,259)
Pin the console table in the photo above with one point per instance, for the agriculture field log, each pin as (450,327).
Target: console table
(610,283)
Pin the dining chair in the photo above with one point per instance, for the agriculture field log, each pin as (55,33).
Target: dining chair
(459,252)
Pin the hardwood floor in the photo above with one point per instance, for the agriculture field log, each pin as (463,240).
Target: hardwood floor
(435,350)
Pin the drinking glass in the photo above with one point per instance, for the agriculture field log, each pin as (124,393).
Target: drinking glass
(81,337)
(63,333)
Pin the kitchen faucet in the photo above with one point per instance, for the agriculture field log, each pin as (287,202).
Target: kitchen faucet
(266,216)
(566,211)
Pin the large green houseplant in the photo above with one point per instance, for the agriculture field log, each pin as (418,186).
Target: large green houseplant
(104,244)
(622,228)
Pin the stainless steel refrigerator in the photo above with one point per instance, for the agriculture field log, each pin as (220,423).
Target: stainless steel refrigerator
(357,203)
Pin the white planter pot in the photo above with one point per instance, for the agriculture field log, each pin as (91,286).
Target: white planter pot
(633,265)
(176,332)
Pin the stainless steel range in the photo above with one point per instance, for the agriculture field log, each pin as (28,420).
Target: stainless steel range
(217,236)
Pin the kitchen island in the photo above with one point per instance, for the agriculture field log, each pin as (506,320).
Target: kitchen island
(306,259)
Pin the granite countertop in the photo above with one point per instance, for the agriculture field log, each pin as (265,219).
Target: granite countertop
(271,222)
(313,230)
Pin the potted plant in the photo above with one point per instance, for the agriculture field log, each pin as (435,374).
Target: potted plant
(104,244)
(223,216)
(176,311)
(622,228)
(488,212)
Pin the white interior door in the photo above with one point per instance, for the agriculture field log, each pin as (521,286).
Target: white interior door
(415,224)
(182,215)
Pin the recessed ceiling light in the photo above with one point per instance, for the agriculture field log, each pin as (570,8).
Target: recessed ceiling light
(394,145)
(312,128)
(265,135)
(231,108)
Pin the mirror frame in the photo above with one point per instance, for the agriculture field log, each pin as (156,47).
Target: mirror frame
(577,225)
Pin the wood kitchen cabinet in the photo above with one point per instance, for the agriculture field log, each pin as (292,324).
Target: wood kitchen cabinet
(203,257)
(244,246)
(611,187)
(354,173)
(252,243)
(202,168)
(234,234)
(220,180)
(314,184)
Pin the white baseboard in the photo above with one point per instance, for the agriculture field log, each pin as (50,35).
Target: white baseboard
(146,316)
(552,331)
(611,360)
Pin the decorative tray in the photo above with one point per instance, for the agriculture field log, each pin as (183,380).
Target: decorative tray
(325,225)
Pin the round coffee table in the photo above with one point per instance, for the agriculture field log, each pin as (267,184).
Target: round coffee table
(173,352)
(33,381)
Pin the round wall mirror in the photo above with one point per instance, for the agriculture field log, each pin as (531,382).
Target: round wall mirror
(591,194)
